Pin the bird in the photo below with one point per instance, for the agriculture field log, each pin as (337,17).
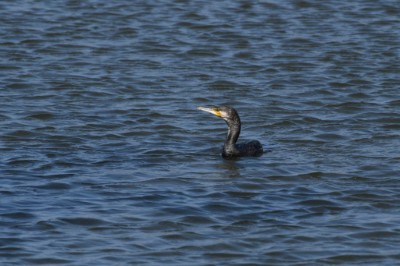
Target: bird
(231,150)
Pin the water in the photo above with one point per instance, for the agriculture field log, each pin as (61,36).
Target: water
(105,159)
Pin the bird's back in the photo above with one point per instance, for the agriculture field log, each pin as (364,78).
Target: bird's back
(250,148)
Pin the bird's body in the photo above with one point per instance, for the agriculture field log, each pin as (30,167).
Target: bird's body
(231,149)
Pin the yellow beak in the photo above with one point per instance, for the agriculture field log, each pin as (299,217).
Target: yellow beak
(212,110)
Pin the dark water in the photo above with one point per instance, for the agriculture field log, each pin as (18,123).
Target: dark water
(105,160)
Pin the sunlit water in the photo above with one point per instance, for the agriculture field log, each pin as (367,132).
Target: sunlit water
(106,161)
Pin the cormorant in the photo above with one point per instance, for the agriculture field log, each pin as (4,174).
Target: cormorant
(231,149)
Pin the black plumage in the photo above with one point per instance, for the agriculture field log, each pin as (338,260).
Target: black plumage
(231,149)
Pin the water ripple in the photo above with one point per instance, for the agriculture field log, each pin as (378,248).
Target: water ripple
(106,160)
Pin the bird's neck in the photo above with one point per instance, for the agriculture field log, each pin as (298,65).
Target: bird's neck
(233,134)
